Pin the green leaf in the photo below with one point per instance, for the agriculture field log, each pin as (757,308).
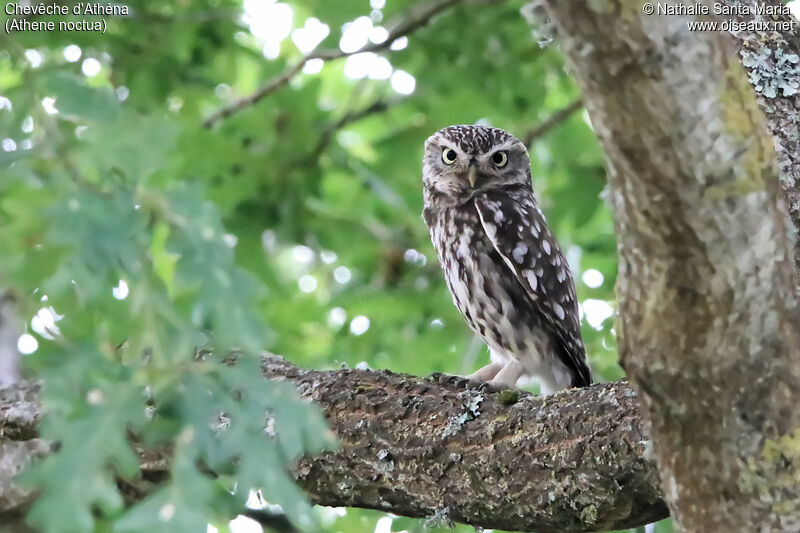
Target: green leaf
(77,478)
(174,507)
(76,99)
(152,138)
(204,225)
(163,261)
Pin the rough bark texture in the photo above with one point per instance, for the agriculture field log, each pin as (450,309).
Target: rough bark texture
(10,330)
(708,326)
(417,447)
(781,111)
(571,462)
(709,331)
(19,445)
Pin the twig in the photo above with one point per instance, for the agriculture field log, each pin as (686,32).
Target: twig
(272,85)
(416,18)
(378,106)
(275,522)
(553,120)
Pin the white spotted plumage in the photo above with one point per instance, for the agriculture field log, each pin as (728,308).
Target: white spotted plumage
(519,252)
(504,269)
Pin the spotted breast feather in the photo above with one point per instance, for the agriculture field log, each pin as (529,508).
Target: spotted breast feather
(517,229)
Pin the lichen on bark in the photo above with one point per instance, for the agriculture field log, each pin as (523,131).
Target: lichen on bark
(708,327)
(772,475)
(572,462)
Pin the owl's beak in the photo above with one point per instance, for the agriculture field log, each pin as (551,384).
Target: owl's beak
(472,174)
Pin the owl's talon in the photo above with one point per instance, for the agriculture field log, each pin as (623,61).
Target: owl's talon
(458,382)
(450,380)
(492,387)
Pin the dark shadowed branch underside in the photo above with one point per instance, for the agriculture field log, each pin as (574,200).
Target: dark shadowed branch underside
(419,447)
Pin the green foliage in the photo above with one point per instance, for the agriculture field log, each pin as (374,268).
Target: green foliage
(84,212)
(215,230)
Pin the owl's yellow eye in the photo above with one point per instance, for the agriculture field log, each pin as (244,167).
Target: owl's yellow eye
(500,159)
(449,156)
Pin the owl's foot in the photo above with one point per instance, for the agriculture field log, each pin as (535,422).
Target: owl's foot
(450,380)
(461,382)
(493,377)
(485,373)
(507,376)
(490,386)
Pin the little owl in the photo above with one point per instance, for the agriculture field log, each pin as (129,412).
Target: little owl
(504,268)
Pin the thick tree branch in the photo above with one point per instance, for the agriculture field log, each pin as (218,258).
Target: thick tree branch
(575,461)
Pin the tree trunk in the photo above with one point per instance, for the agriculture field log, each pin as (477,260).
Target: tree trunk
(709,329)
(781,111)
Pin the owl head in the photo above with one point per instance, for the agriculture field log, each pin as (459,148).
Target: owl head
(462,160)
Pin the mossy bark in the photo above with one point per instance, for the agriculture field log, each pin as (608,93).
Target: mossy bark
(569,462)
(576,461)
(782,110)
(708,328)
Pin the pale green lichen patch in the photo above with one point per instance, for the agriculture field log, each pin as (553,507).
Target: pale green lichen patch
(385,462)
(774,475)
(542,28)
(772,73)
(630,9)
(749,143)
(440,519)
(495,424)
(589,514)
(601,6)
(471,399)
(518,437)
(454,424)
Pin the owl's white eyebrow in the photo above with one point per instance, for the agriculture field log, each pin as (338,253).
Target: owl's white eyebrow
(511,143)
(446,144)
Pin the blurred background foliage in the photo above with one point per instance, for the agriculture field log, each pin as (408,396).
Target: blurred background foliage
(132,233)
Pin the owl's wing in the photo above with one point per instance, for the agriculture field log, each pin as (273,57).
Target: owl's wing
(520,235)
